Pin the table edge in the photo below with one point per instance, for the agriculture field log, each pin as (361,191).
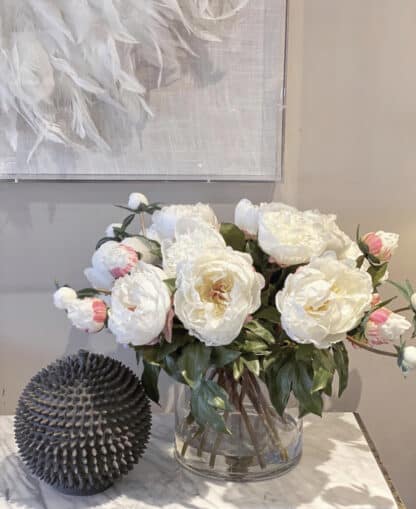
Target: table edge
(399,501)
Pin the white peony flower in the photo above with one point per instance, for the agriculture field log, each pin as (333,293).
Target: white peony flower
(109,262)
(88,314)
(142,246)
(164,220)
(137,199)
(140,304)
(63,297)
(292,237)
(246,216)
(409,358)
(191,238)
(383,326)
(109,231)
(216,291)
(324,300)
(381,244)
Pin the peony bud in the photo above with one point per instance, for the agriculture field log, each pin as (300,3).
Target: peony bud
(137,199)
(63,297)
(143,247)
(384,326)
(109,232)
(88,314)
(413,301)
(381,244)
(246,216)
(409,358)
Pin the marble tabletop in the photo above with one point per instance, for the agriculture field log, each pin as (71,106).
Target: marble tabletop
(337,470)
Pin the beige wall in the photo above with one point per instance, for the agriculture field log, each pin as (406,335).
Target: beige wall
(349,149)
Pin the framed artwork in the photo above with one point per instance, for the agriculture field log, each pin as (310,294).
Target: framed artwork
(193,89)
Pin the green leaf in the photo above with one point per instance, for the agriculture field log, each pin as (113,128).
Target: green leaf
(205,413)
(127,222)
(409,287)
(150,378)
(377,273)
(269,313)
(260,259)
(233,236)
(221,356)
(238,369)
(252,365)
(309,402)
(305,352)
(321,376)
(341,365)
(251,344)
(170,365)
(260,331)
(149,209)
(215,395)
(279,380)
(404,290)
(194,362)
(86,292)
(166,348)
(103,241)
(171,284)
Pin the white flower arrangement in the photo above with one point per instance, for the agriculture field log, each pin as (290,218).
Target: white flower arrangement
(278,295)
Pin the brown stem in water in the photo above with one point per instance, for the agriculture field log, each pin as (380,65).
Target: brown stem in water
(238,402)
(262,408)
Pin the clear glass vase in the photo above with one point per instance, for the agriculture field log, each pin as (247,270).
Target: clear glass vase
(261,444)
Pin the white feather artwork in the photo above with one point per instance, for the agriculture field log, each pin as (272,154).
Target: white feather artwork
(63,60)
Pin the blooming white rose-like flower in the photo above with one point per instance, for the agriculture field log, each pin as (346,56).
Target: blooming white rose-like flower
(324,300)
(63,297)
(382,244)
(246,216)
(215,293)
(137,199)
(292,237)
(164,220)
(191,238)
(142,246)
(88,314)
(383,326)
(140,304)
(109,262)
(409,358)
(109,231)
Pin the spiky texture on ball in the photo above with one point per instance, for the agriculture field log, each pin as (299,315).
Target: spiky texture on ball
(82,423)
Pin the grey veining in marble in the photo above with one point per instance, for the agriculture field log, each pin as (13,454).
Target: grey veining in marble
(337,470)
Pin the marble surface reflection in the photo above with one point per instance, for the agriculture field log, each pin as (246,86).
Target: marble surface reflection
(337,470)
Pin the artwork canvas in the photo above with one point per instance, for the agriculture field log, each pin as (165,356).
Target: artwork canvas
(211,106)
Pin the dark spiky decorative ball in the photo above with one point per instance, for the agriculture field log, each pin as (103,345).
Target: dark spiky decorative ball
(82,422)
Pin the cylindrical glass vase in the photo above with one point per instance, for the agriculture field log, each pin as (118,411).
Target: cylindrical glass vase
(261,444)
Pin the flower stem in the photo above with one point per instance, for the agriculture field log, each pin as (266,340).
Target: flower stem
(400,310)
(104,292)
(237,400)
(217,444)
(142,224)
(262,409)
(364,346)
